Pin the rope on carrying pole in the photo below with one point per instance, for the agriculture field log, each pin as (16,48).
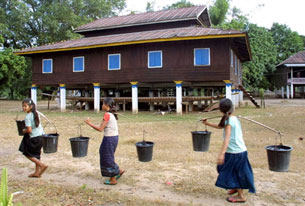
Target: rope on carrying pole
(274,130)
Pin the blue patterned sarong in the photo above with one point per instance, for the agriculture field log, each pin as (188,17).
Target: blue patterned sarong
(236,172)
(107,149)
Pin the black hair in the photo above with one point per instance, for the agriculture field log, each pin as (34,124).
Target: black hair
(31,103)
(226,107)
(110,102)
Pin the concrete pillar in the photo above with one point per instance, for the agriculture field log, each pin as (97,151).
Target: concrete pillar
(62,90)
(151,104)
(291,86)
(282,89)
(241,98)
(178,97)
(134,92)
(87,103)
(287,91)
(229,90)
(34,93)
(117,94)
(97,97)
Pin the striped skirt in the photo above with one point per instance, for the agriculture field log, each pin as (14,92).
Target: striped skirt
(107,149)
(236,172)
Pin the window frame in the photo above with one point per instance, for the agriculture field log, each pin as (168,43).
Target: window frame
(109,55)
(161,59)
(209,57)
(43,66)
(83,64)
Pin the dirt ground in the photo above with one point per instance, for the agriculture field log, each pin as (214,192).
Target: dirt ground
(176,176)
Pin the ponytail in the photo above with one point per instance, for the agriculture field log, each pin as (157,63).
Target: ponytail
(31,103)
(226,107)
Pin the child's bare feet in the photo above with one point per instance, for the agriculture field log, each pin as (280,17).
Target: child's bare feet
(43,169)
(34,175)
(232,191)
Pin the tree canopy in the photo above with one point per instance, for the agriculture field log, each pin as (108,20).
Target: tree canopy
(27,23)
(219,11)
(179,4)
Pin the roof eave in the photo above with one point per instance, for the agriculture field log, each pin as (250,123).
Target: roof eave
(136,42)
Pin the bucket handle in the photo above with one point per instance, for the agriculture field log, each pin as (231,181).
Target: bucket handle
(80,130)
(51,124)
(144,141)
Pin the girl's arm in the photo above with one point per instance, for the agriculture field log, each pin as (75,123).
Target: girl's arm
(27,130)
(221,156)
(98,128)
(204,121)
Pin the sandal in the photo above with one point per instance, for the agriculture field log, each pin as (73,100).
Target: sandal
(119,175)
(235,200)
(107,182)
(34,175)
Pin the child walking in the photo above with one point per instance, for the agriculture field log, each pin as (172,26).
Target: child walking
(233,166)
(110,141)
(31,143)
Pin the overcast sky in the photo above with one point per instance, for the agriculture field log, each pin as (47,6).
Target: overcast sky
(261,12)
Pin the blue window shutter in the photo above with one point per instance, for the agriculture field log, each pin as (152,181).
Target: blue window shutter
(155,59)
(78,64)
(114,61)
(47,66)
(202,57)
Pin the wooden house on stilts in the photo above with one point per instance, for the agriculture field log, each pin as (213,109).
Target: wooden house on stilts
(163,56)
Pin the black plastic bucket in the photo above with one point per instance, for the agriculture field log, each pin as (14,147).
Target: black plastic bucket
(201,140)
(50,142)
(278,157)
(79,146)
(20,126)
(145,151)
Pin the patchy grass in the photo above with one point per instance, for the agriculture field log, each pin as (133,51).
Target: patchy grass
(176,176)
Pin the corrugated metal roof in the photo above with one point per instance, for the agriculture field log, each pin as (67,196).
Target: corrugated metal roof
(144,18)
(298,58)
(176,34)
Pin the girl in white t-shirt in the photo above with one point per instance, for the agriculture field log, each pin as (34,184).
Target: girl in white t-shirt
(110,141)
(233,166)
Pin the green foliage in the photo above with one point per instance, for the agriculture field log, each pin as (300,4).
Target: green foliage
(263,57)
(5,200)
(219,11)
(179,4)
(237,21)
(29,23)
(15,75)
(287,42)
(149,6)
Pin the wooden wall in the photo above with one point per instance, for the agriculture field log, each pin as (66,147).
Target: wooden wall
(178,64)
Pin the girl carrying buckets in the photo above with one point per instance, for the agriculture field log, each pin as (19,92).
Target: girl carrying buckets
(31,143)
(233,166)
(110,141)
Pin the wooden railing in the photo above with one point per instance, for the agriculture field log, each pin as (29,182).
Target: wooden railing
(297,80)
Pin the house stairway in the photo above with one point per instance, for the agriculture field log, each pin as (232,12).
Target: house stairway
(249,96)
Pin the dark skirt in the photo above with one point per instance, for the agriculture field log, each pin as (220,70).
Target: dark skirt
(107,149)
(31,147)
(236,172)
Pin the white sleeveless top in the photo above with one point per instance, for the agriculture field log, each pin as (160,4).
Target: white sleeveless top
(111,128)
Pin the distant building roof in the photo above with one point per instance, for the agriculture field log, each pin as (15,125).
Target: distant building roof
(171,15)
(177,34)
(298,58)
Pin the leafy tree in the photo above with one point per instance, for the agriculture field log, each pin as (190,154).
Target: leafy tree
(36,22)
(219,11)
(15,75)
(237,21)
(263,58)
(179,4)
(287,42)
(150,6)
